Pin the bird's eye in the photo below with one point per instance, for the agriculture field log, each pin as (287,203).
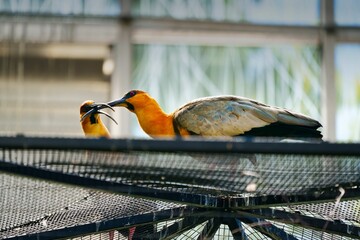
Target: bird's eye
(132,93)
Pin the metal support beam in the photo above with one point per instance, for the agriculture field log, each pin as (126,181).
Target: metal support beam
(236,228)
(149,30)
(170,31)
(121,77)
(51,29)
(210,229)
(328,99)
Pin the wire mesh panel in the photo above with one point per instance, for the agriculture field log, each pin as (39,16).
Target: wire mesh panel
(177,189)
(214,175)
(31,206)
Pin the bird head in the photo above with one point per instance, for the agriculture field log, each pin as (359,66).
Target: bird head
(132,100)
(91,109)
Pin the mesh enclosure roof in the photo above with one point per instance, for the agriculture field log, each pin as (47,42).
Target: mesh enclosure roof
(30,206)
(77,188)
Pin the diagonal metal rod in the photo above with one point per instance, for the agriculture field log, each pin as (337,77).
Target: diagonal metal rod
(210,229)
(236,228)
(176,228)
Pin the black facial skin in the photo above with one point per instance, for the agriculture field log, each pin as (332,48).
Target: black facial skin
(86,108)
(130,106)
(129,94)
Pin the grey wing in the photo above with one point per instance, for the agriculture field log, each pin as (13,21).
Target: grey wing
(231,116)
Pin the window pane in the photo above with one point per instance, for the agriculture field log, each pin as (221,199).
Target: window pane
(63,7)
(299,12)
(283,76)
(347,12)
(41,96)
(348,92)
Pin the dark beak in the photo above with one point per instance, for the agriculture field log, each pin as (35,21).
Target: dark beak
(117,102)
(121,103)
(96,108)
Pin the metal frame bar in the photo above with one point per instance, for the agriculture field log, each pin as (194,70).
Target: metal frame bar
(328,69)
(236,228)
(239,145)
(121,76)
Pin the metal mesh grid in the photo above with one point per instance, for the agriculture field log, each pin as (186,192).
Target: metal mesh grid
(198,175)
(214,174)
(31,206)
(45,199)
(345,210)
(58,206)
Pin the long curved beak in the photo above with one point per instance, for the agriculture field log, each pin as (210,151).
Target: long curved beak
(96,108)
(121,103)
(108,115)
(118,103)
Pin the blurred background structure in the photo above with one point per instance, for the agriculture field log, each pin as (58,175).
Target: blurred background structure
(301,54)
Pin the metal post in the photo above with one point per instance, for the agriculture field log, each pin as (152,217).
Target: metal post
(328,98)
(121,77)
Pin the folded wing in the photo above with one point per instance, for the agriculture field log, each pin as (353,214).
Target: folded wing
(232,116)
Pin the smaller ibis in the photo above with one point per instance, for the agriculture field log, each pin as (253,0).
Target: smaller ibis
(91,124)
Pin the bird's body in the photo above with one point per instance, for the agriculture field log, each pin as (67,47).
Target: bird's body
(217,116)
(239,116)
(92,126)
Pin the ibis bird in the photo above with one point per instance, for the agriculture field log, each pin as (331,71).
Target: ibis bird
(216,116)
(91,123)
(92,126)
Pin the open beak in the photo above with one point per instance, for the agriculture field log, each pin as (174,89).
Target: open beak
(96,108)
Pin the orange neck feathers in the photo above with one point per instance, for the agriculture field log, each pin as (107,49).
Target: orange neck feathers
(94,128)
(153,120)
